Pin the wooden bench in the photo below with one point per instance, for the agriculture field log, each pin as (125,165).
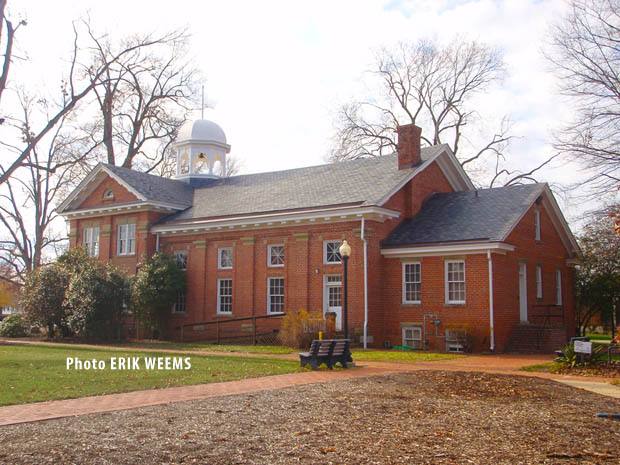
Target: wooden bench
(327,351)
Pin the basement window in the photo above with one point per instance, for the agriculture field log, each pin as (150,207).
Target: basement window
(412,337)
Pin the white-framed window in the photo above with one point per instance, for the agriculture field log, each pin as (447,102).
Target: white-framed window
(180,256)
(539,288)
(126,239)
(108,195)
(275,295)
(90,241)
(225,258)
(275,255)
(179,305)
(537,225)
(412,283)
(455,282)
(412,337)
(224,295)
(331,252)
(558,287)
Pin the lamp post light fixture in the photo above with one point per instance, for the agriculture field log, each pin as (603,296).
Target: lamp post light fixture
(345,253)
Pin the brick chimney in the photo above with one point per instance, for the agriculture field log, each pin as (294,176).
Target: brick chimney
(408,146)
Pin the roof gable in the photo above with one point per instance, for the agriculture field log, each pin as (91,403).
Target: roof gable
(143,187)
(483,215)
(486,214)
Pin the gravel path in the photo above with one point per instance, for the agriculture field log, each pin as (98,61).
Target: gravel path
(409,418)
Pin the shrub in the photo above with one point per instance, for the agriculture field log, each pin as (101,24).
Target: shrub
(14,326)
(95,299)
(570,358)
(292,332)
(155,288)
(43,297)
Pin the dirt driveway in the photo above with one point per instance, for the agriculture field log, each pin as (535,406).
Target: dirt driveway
(409,418)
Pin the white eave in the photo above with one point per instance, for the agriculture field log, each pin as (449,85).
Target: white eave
(281,219)
(447,249)
(122,208)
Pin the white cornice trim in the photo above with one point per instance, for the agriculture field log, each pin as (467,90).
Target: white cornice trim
(448,249)
(122,208)
(333,215)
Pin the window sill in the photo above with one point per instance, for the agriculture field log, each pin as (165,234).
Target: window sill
(223,314)
(333,263)
(411,304)
(275,313)
(275,266)
(124,255)
(178,313)
(225,269)
(455,305)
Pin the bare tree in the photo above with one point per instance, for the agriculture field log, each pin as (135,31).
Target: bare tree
(432,87)
(79,82)
(28,198)
(585,52)
(142,98)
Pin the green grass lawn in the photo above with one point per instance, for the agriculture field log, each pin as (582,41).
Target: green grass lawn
(33,373)
(599,337)
(361,355)
(209,347)
(403,356)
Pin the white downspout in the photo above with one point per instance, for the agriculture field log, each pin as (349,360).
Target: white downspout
(365,287)
(157,242)
(490,259)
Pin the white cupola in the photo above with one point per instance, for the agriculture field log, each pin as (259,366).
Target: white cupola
(201,151)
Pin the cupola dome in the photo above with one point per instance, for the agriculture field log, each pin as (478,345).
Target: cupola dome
(201,150)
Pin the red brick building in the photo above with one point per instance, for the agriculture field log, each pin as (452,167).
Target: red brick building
(435,263)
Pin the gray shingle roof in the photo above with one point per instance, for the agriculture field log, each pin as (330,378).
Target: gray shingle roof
(463,216)
(364,182)
(155,188)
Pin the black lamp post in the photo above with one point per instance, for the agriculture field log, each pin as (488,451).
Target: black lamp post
(345,252)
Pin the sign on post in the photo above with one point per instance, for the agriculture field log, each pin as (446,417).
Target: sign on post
(583,347)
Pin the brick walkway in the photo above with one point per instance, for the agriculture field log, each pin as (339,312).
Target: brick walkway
(497,364)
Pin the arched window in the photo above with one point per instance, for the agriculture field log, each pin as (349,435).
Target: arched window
(201,164)
(108,195)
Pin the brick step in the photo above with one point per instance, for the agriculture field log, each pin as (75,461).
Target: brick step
(532,338)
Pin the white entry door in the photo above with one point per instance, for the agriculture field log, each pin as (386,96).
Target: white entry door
(332,297)
(523,292)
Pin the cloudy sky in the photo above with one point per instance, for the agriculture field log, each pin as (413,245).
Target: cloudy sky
(275,71)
